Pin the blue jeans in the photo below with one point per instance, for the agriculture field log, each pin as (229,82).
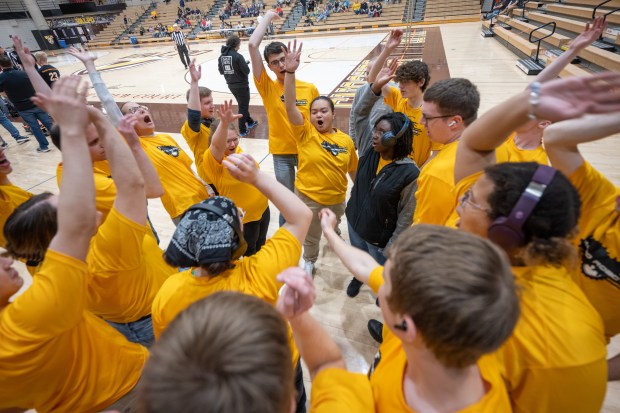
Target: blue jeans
(31,116)
(374,251)
(8,125)
(284,169)
(140,331)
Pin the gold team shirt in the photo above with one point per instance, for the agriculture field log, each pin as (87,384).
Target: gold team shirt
(126,270)
(516,154)
(555,360)
(11,197)
(388,374)
(338,390)
(383,163)
(105,190)
(324,161)
(244,195)
(255,275)
(281,138)
(55,355)
(598,273)
(422,145)
(198,142)
(182,188)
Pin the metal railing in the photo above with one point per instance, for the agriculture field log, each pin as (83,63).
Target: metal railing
(523,10)
(604,15)
(539,40)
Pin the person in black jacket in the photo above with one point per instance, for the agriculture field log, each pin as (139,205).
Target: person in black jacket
(383,198)
(235,69)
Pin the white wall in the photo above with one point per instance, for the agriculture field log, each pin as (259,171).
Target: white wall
(138,2)
(20,27)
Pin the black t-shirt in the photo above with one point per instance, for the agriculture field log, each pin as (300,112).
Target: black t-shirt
(49,73)
(18,88)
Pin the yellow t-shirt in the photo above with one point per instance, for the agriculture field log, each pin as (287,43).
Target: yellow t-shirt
(555,359)
(244,195)
(105,190)
(435,198)
(182,188)
(54,355)
(422,145)
(516,154)
(598,273)
(459,190)
(281,138)
(324,161)
(383,163)
(126,270)
(255,275)
(198,142)
(11,197)
(388,374)
(338,390)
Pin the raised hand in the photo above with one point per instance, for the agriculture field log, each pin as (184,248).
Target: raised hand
(23,53)
(329,220)
(591,33)
(272,15)
(396,36)
(195,72)
(82,55)
(67,103)
(242,167)
(386,74)
(292,57)
(226,114)
(126,127)
(297,295)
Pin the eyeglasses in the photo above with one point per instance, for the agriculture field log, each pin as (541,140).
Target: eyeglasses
(426,118)
(276,62)
(466,199)
(138,108)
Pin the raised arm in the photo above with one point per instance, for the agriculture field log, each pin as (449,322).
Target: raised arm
(562,138)
(297,215)
(255,40)
(358,262)
(590,34)
(28,64)
(76,203)
(193,103)
(292,63)
(152,184)
(316,347)
(555,100)
(392,43)
(218,143)
(104,95)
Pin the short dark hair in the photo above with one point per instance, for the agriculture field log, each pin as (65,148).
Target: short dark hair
(553,220)
(5,62)
(228,352)
(404,145)
(233,41)
(456,96)
(413,71)
(273,48)
(55,136)
(325,98)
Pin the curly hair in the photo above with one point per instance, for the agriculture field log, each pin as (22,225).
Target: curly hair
(233,41)
(413,71)
(404,144)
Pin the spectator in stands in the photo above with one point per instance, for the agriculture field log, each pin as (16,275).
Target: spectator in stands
(322,15)
(209,23)
(141,30)
(378,9)
(364,7)
(356,7)
(125,21)
(499,7)
(279,10)
(154,15)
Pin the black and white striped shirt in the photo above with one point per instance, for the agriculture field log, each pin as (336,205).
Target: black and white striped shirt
(179,38)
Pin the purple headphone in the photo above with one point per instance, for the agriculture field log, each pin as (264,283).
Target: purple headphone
(507,232)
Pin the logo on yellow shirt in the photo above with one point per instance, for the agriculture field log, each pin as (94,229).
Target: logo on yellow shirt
(169,150)
(298,102)
(333,148)
(596,262)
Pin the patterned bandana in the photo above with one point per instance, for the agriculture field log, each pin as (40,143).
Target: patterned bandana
(204,237)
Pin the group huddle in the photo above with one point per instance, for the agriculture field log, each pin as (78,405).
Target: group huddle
(491,243)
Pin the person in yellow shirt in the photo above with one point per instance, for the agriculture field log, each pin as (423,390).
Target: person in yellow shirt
(413,79)
(449,301)
(11,196)
(197,128)
(282,139)
(249,199)
(68,359)
(326,156)
(598,273)
(556,359)
(209,240)
(182,188)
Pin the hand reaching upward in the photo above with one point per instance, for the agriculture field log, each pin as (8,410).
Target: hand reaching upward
(292,57)
(226,113)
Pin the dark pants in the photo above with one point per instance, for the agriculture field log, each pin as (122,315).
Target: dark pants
(184,55)
(301,390)
(255,233)
(32,118)
(242,94)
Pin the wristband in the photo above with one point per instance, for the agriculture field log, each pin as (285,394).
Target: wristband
(534,99)
(290,72)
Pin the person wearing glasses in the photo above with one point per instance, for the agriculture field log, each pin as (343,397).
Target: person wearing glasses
(282,141)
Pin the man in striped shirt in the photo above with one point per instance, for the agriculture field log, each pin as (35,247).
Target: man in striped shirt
(178,37)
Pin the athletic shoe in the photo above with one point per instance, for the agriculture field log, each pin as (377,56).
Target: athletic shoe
(244,134)
(43,150)
(309,268)
(375,328)
(354,287)
(21,140)
(4,145)
(252,125)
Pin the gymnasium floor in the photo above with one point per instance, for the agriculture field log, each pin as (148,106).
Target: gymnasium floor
(154,76)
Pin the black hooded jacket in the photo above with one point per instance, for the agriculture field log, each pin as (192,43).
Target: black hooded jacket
(234,67)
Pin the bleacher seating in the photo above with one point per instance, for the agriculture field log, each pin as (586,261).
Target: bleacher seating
(438,10)
(116,27)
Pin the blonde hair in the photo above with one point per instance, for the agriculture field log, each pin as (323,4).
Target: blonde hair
(41,57)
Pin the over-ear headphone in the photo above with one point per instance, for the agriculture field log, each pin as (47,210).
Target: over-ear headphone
(507,232)
(235,225)
(452,123)
(389,138)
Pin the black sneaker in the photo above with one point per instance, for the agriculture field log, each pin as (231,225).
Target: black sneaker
(21,140)
(375,328)
(354,287)
(43,150)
